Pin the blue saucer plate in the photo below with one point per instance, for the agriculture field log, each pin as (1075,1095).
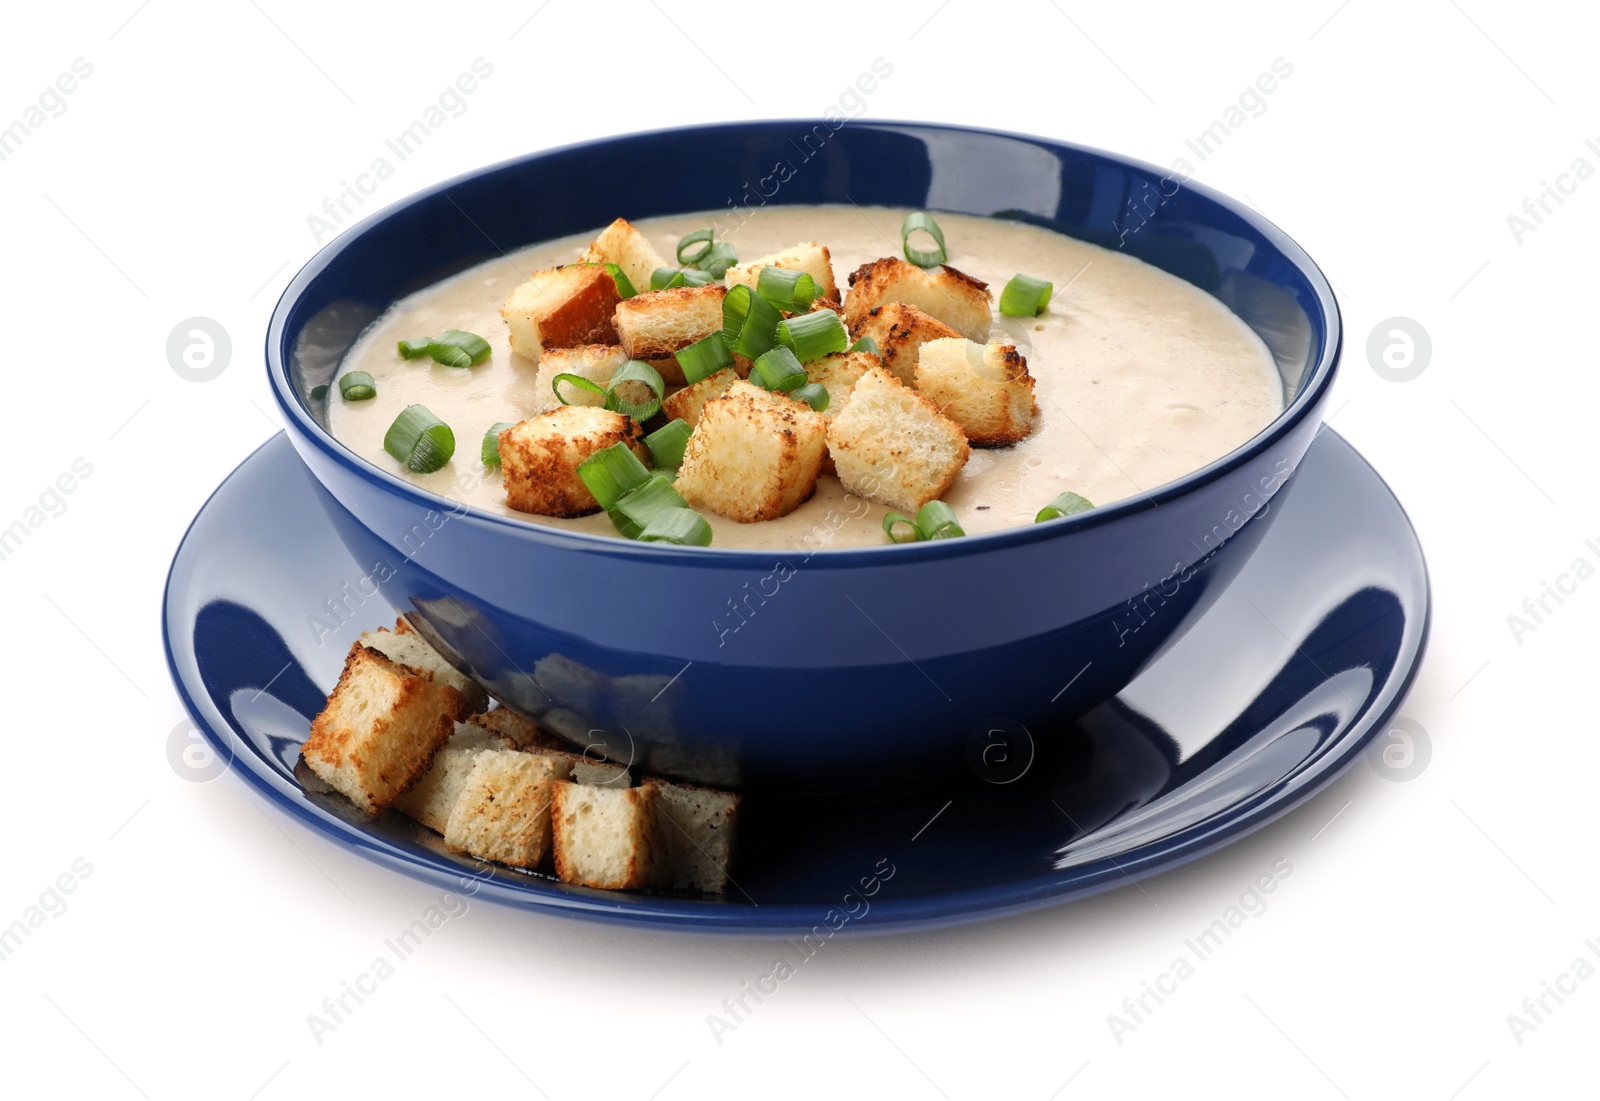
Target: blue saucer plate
(1265,700)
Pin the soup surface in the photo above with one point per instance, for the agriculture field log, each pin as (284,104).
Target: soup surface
(1140,377)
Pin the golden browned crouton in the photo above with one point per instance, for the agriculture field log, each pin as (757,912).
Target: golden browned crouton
(562,308)
(655,324)
(948,295)
(595,362)
(380,729)
(539,458)
(838,375)
(899,331)
(609,837)
(810,257)
(985,389)
(405,646)
(503,811)
(434,796)
(687,403)
(889,444)
(623,245)
(755,455)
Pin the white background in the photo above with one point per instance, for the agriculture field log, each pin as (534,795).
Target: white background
(1418,916)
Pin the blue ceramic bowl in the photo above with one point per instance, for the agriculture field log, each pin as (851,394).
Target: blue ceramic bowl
(845,668)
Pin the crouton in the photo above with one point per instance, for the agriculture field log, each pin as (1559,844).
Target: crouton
(623,245)
(405,647)
(595,362)
(810,257)
(587,769)
(432,798)
(522,733)
(609,837)
(838,374)
(699,825)
(503,812)
(686,404)
(380,729)
(948,295)
(985,389)
(899,331)
(562,308)
(890,445)
(755,455)
(655,324)
(539,458)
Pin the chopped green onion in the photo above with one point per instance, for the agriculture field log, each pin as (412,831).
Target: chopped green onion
(813,394)
(717,261)
(778,370)
(491,442)
(357,386)
(749,322)
(1066,504)
(923,258)
(420,440)
(588,385)
(664,279)
(612,473)
(1025,296)
(937,520)
(900,528)
(682,526)
(625,288)
(317,393)
(865,344)
(666,443)
(639,372)
(688,241)
(453,348)
(704,358)
(789,290)
(642,504)
(813,335)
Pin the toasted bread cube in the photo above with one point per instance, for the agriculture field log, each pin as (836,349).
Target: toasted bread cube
(687,404)
(562,308)
(890,445)
(755,455)
(539,458)
(588,769)
(900,331)
(434,796)
(503,812)
(654,324)
(699,825)
(623,245)
(838,374)
(945,294)
(985,389)
(609,837)
(595,362)
(380,729)
(810,257)
(520,731)
(405,647)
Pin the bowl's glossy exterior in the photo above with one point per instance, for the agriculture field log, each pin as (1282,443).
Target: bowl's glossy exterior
(864,667)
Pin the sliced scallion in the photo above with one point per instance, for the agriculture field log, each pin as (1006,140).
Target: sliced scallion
(789,290)
(779,370)
(420,440)
(813,335)
(688,255)
(900,528)
(923,258)
(612,473)
(357,386)
(1065,504)
(682,526)
(1025,296)
(646,388)
(865,344)
(664,279)
(937,520)
(453,348)
(813,394)
(704,358)
(317,393)
(642,504)
(587,385)
(412,349)
(749,322)
(718,260)
(491,442)
(625,287)
(666,443)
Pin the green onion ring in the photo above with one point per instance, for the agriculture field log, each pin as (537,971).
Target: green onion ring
(612,473)
(698,237)
(865,344)
(900,528)
(704,358)
(682,526)
(667,443)
(1025,296)
(749,322)
(625,288)
(1065,504)
(779,370)
(923,258)
(587,384)
(636,370)
(491,442)
(813,335)
(813,394)
(420,440)
(789,290)
(357,386)
(937,520)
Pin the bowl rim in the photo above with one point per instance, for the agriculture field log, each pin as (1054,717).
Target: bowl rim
(1312,390)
